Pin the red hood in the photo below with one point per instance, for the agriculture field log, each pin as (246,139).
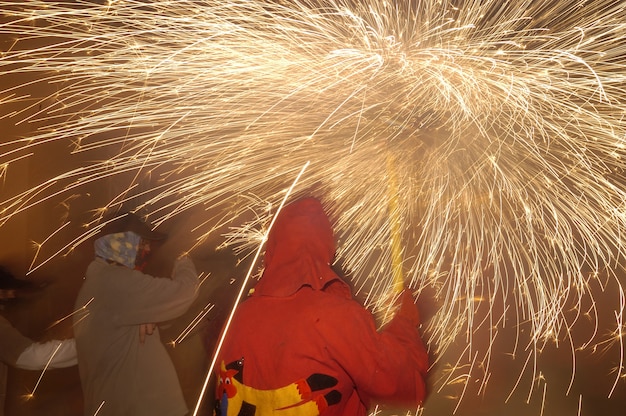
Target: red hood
(300,249)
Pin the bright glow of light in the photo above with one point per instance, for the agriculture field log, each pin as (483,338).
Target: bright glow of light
(506,122)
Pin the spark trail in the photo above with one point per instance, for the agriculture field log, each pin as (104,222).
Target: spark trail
(506,125)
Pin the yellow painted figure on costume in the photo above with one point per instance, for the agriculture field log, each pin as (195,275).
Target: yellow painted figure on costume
(295,399)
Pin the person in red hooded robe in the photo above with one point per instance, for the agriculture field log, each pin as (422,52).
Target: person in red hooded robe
(300,345)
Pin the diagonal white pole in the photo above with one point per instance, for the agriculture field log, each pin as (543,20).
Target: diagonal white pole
(241,290)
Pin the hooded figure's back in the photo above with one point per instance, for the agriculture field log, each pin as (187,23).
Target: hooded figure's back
(299,345)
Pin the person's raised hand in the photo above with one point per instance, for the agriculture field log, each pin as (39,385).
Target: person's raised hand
(408,308)
(145,329)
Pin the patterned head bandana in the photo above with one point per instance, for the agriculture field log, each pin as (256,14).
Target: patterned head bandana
(119,247)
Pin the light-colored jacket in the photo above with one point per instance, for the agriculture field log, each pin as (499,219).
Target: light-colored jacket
(16,350)
(120,375)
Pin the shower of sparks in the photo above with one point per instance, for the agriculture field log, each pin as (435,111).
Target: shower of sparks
(505,121)
(32,393)
(192,325)
(82,310)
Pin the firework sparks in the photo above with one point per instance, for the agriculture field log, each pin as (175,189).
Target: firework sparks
(506,125)
(32,393)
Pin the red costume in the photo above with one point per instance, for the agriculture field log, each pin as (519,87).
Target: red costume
(299,345)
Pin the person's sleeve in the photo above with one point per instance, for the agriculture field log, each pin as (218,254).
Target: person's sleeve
(51,354)
(12,342)
(143,298)
(388,365)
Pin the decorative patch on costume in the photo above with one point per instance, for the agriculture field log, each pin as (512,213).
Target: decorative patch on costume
(301,398)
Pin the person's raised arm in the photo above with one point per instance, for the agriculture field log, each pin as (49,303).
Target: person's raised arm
(147,299)
(51,354)
(390,364)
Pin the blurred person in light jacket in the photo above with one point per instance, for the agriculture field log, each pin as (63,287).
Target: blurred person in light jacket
(19,351)
(124,367)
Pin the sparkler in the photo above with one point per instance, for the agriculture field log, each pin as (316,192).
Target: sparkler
(506,123)
(32,393)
